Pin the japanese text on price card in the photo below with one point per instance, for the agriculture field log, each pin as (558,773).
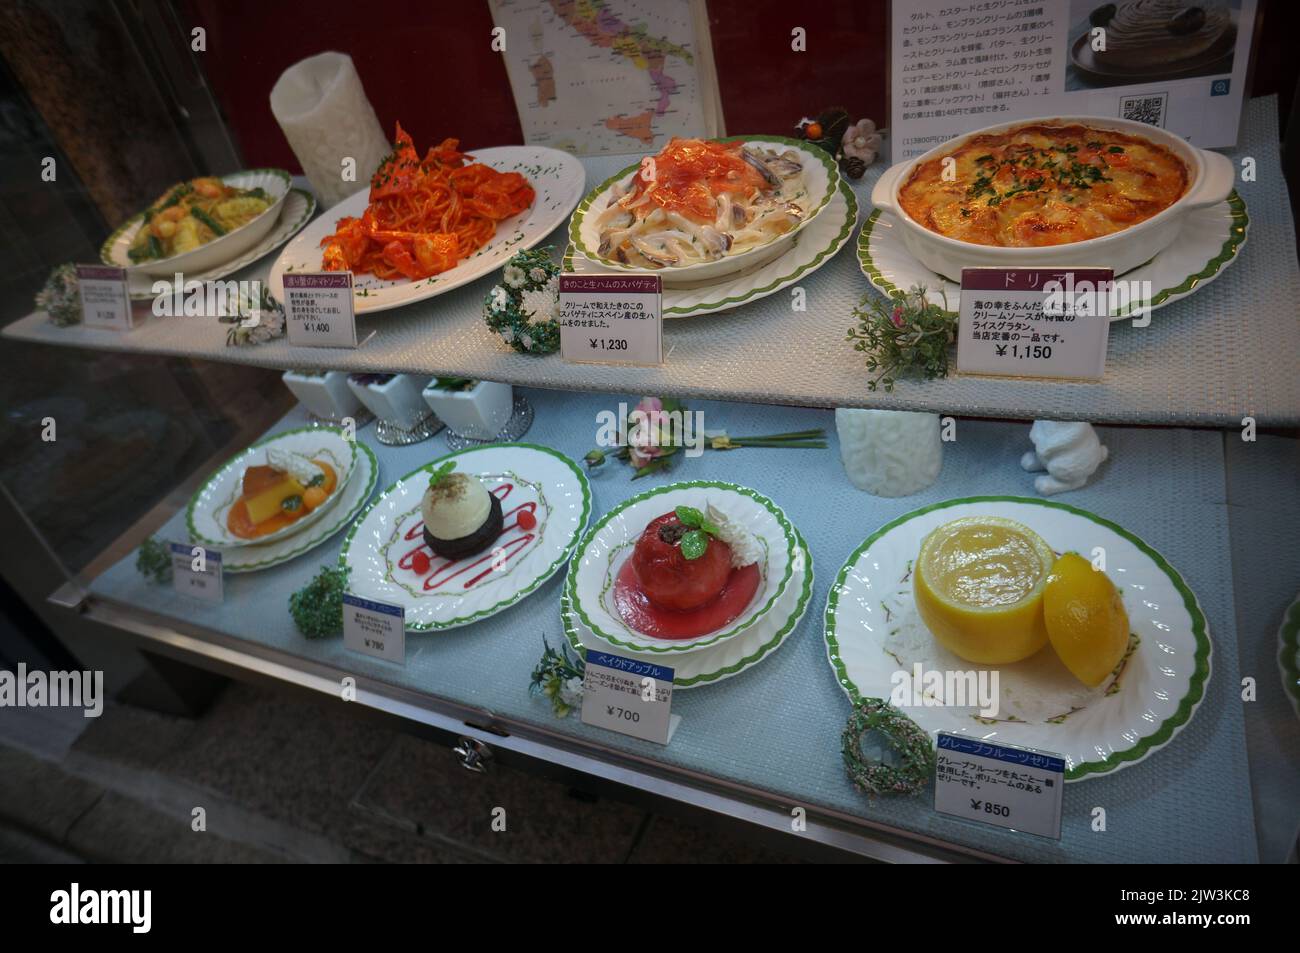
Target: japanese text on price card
(104,299)
(196,572)
(611,319)
(1002,785)
(318,309)
(628,696)
(374,628)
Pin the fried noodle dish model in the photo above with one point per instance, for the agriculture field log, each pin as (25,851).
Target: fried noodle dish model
(424,215)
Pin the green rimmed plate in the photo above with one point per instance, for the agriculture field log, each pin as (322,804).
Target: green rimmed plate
(380,547)
(1210,240)
(205,517)
(821,180)
(277,184)
(813,247)
(608,544)
(1288,653)
(721,661)
(354,496)
(874,640)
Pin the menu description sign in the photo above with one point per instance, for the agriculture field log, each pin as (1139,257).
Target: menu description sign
(318,309)
(1007,786)
(105,302)
(628,696)
(374,628)
(611,319)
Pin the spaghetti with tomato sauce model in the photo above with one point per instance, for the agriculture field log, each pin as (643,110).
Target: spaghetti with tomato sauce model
(425,215)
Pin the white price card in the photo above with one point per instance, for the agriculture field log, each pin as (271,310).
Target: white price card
(105,302)
(1036,322)
(318,309)
(374,628)
(1003,785)
(196,572)
(611,319)
(630,697)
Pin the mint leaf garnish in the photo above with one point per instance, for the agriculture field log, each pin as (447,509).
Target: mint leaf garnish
(694,544)
(689,515)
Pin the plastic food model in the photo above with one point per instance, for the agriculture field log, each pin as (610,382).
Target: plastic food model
(993,592)
(192,214)
(689,573)
(461,517)
(277,494)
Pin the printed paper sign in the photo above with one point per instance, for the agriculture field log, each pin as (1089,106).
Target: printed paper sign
(611,319)
(630,697)
(1027,322)
(1003,785)
(105,302)
(374,628)
(196,572)
(318,309)
(959,65)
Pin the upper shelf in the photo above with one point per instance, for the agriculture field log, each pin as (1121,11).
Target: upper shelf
(1228,351)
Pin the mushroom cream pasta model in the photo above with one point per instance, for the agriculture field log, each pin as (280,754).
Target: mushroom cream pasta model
(699,201)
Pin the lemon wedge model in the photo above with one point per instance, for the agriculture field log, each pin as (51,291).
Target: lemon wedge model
(1085,619)
(979,584)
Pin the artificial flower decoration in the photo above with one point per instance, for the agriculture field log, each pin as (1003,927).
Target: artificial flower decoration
(524,307)
(254,325)
(61,296)
(861,141)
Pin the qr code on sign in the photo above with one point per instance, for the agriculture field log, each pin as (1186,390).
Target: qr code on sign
(1149,109)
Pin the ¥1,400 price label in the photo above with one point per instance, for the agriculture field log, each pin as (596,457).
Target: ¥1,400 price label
(1035,322)
(318,309)
(611,319)
(196,572)
(374,628)
(1003,785)
(105,302)
(630,697)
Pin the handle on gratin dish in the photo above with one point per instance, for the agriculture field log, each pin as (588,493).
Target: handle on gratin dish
(1216,184)
(882,194)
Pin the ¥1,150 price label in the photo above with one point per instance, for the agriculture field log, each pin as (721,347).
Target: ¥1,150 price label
(1035,322)
(196,572)
(611,319)
(1003,785)
(105,302)
(630,697)
(374,628)
(318,309)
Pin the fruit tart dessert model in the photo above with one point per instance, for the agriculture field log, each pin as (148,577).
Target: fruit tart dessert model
(690,573)
(461,517)
(279,493)
(992,591)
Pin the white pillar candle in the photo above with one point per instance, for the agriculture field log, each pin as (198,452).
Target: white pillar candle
(889,452)
(322,107)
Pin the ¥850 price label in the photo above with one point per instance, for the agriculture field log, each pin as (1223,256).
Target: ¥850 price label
(1003,785)
(611,319)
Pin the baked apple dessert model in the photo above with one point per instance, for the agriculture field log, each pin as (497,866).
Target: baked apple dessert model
(279,493)
(461,517)
(690,573)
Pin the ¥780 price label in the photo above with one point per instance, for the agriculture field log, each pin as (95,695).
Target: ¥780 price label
(611,319)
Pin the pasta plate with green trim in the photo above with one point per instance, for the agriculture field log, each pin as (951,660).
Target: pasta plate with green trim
(876,642)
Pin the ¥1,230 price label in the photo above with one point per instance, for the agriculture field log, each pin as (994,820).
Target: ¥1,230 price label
(1035,322)
(196,572)
(630,697)
(374,628)
(611,319)
(1003,785)
(318,309)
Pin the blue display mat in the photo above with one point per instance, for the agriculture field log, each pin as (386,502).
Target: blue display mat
(777,726)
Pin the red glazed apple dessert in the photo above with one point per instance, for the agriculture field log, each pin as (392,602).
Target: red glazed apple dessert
(689,574)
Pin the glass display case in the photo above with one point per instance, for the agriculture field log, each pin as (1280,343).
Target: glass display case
(800,447)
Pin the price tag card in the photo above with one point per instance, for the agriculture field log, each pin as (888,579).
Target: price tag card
(374,628)
(1035,322)
(611,319)
(630,697)
(105,302)
(1003,785)
(318,309)
(196,572)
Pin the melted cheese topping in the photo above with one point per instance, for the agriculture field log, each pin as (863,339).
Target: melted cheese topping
(1043,185)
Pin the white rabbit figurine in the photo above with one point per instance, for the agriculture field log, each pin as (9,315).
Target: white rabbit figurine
(1069,451)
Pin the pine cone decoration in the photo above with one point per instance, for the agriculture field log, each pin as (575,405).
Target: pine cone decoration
(853,167)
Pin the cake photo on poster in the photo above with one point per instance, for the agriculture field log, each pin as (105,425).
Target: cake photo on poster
(1149,41)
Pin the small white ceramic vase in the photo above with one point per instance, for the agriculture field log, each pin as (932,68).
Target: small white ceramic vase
(479,412)
(325,395)
(397,400)
(889,452)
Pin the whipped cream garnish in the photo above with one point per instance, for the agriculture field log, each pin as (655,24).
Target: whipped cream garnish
(294,464)
(744,547)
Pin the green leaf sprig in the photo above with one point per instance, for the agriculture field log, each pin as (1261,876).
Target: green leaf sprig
(317,608)
(903,335)
(154,560)
(441,473)
(696,539)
